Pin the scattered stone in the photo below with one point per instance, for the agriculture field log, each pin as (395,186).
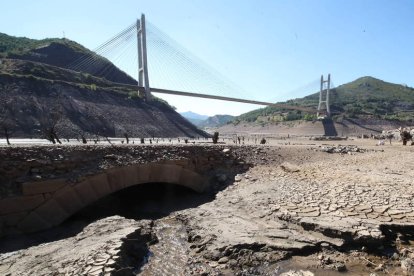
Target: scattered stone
(226,150)
(223,260)
(395,256)
(287,167)
(37,177)
(213,264)
(325,245)
(404,252)
(407,265)
(297,273)
(232,263)
(342,149)
(380,267)
(110,157)
(340,266)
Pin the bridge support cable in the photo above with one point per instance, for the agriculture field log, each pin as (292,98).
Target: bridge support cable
(305,90)
(106,47)
(94,62)
(108,53)
(121,60)
(182,70)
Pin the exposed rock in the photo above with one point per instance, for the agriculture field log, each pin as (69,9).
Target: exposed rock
(297,273)
(223,260)
(101,246)
(288,167)
(407,265)
(395,256)
(342,149)
(340,266)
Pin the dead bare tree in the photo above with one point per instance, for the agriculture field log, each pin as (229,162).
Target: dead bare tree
(126,137)
(49,119)
(7,120)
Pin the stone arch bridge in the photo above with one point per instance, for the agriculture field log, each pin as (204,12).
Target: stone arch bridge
(43,186)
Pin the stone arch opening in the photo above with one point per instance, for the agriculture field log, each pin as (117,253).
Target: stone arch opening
(71,198)
(143,201)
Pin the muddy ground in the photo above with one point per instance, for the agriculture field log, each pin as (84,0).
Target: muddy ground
(305,208)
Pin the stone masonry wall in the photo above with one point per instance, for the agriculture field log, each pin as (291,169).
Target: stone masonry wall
(43,185)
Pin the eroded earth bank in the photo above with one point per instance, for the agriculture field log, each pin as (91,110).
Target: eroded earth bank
(300,208)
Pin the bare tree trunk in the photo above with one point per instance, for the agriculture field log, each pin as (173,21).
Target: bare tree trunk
(6,133)
(126,137)
(107,139)
(51,138)
(56,137)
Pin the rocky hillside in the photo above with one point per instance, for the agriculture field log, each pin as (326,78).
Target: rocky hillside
(37,95)
(362,99)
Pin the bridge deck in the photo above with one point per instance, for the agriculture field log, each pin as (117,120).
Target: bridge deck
(222,98)
(206,96)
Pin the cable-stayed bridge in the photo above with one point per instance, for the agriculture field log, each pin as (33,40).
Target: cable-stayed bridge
(145,52)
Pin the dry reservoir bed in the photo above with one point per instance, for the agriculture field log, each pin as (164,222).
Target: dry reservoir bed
(304,208)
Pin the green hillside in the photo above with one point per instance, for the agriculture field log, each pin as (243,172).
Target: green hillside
(366,97)
(62,53)
(13,47)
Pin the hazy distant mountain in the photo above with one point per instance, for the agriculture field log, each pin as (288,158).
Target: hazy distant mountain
(193,117)
(216,121)
(203,121)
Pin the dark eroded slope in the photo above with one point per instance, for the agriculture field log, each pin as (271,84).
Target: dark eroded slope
(85,110)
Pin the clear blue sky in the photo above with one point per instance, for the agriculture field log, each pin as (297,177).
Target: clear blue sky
(268,47)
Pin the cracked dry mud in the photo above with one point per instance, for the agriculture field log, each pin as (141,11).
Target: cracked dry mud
(299,211)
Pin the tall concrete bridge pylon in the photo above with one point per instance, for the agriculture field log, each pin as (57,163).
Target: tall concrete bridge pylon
(143,79)
(323,106)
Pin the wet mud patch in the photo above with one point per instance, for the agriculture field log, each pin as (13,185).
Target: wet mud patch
(170,255)
(134,252)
